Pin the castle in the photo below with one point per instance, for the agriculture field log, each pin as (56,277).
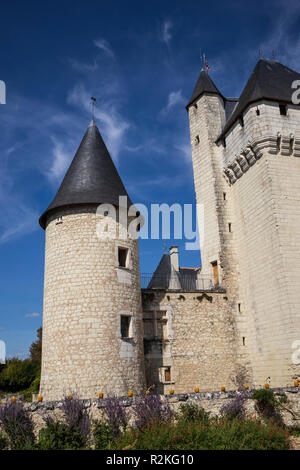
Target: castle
(235,320)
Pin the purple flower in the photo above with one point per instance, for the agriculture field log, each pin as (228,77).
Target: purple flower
(150,408)
(116,414)
(76,415)
(17,424)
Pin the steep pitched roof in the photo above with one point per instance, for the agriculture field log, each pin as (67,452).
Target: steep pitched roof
(269,80)
(165,276)
(203,85)
(91,178)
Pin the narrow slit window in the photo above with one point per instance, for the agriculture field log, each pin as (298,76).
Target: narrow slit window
(122,257)
(244,341)
(282,109)
(224,196)
(229,227)
(257,112)
(242,121)
(239,308)
(125,326)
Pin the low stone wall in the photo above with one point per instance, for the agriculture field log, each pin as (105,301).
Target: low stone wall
(210,401)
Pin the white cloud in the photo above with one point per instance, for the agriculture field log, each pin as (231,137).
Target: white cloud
(112,125)
(166,31)
(175,98)
(61,159)
(32,315)
(104,46)
(185,150)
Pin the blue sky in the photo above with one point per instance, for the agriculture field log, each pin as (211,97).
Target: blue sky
(141,60)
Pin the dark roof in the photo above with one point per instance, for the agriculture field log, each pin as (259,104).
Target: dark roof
(164,275)
(91,178)
(230,104)
(203,85)
(269,80)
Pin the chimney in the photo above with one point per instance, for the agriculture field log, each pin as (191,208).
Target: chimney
(174,257)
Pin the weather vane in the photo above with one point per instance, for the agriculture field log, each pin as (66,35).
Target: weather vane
(204,62)
(93,101)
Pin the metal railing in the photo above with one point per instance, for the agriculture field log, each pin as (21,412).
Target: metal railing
(176,281)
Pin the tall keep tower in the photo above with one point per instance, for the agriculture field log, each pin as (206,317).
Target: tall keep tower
(92,324)
(247,174)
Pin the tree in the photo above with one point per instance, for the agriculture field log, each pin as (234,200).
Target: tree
(36,347)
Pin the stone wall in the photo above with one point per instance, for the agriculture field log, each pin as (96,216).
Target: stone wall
(193,334)
(86,292)
(210,401)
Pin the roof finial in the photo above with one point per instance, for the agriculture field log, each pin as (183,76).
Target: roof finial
(93,101)
(206,66)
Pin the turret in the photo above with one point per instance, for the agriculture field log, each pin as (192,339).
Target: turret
(92,324)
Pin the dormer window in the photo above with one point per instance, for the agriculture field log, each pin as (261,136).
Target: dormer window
(282,109)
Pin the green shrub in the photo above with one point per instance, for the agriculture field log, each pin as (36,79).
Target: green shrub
(190,413)
(60,436)
(18,375)
(268,404)
(103,435)
(3,442)
(17,425)
(220,434)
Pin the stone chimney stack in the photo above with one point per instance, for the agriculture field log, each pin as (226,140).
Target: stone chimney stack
(174,257)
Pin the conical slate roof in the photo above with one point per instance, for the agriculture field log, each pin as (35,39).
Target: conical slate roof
(203,85)
(269,80)
(91,178)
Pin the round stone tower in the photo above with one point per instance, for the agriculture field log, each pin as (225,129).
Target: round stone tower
(92,319)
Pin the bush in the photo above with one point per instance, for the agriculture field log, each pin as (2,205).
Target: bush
(18,375)
(116,415)
(191,413)
(17,425)
(77,416)
(3,442)
(268,404)
(150,408)
(235,408)
(103,435)
(220,434)
(60,436)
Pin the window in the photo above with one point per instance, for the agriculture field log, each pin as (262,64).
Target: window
(59,220)
(224,196)
(242,121)
(224,143)
(122,257)
(282,109)
(168,374)
(257,112)
(244,341)
(215,272)
(229,227)
(239,308)
(125,326)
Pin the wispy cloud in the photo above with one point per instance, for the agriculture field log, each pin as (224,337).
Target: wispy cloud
(32,315)
(113,125)
(166,31)
(61,159)
(104,46)
(175,98)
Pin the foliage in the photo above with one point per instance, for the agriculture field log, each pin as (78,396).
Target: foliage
(235,408)
(18,375)
(77,416)
(219,434)
(17,425)
(193,413)
(3,442)
(116,414)
(149,408)
(103,435)
(36,348)
(268,404)
(60,436)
